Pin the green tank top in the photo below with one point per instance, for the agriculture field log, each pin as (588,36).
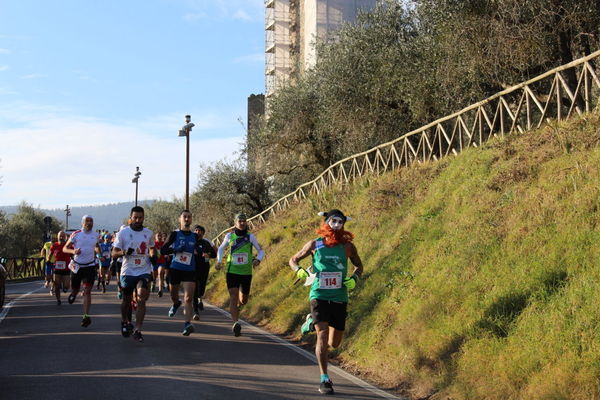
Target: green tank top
(331,267)
(239,260)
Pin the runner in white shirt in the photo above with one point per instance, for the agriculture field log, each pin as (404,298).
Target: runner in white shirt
(83,244)
(136,245)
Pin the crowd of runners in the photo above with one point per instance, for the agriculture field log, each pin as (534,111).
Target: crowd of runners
(143,262)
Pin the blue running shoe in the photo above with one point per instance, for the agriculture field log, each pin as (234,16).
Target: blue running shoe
(174,308)
(187,329)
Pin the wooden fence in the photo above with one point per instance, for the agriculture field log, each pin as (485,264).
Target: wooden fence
(557,94)
(21,268)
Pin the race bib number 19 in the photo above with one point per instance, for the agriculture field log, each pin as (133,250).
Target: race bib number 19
(330,280)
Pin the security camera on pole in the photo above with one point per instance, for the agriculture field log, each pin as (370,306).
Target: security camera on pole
(185,131)
(136,178)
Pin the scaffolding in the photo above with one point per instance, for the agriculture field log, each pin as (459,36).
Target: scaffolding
(277,44)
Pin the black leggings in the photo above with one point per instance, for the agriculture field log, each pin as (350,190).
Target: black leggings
(201,278)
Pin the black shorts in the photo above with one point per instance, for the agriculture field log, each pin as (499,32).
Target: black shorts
(235,281)
(62,272)
(87,275)
(115,267)
(332,312)
(177,276)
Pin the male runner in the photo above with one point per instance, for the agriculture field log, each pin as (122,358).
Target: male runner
(104,256)
(182,271)
(136,245)
(329,291)
(158,268)
(84,245)
(206,250)
(61,269)
(48,264)
(240,262)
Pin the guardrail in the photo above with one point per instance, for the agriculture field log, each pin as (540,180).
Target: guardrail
(22,268)
(520,108)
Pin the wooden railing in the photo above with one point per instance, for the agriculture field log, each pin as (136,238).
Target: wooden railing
(21,268)
(557,94)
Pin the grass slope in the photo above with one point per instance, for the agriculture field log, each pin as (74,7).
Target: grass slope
(482,271)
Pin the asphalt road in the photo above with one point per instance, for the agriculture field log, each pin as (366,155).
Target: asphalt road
(46,354)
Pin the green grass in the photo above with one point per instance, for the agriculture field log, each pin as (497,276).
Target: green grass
(481,271)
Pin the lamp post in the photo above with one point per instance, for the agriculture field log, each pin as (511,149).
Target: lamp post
(185,131)
(136,178)
(67,215)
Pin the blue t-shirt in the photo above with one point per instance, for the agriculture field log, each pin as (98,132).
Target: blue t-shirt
(184,260)
(105,249)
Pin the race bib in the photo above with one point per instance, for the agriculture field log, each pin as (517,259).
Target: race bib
(137,260)
(330,280)
(106,254)
(183,258)
(239,259)
(61,265)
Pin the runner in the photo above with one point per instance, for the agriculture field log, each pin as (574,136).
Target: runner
(329,290)
(84,245)
(105,260)
(136,245)
(182,244)
(61,270)
(206,250)
(240,262)
(48,264)
(158,268)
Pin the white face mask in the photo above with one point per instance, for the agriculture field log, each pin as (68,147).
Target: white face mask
(335,223)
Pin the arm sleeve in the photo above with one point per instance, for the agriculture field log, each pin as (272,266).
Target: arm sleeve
(222,248)
(166,248)
(261,252)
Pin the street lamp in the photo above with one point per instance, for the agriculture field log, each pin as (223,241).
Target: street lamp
(185,131)
(67,215)
(136,178)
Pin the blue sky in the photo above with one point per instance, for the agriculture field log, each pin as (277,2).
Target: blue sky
(91,89)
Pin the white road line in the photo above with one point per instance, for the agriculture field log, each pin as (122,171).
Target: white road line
(313,358)
(7,307)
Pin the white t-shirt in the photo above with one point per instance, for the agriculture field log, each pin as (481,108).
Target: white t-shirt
(137,263)
(86,241)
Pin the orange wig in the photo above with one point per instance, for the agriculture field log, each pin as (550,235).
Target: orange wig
(333,238)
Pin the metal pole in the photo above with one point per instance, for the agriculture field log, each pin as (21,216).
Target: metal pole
(187,170)
(136,192)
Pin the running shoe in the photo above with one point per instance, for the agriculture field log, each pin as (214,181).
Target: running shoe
(119,295)
(201,305)
(64,290)
(187,329)
(196,317)
(237,329)
(71,298)
(137,335)
(125,331)
(103,288)
(308,325)
(153,288)
(58,302)
(86,321)
(326,387)
(160,293)
(174,308)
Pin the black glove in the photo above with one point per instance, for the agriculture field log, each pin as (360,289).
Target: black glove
(130,251)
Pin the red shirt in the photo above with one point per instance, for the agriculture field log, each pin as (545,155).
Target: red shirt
(60,257)
(161,259)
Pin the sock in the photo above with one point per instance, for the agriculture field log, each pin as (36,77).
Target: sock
(324,377)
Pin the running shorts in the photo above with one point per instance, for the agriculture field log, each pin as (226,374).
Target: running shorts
(332,312)
(130,282)
(236,281)
(177,276)
(48,268)
(87,275)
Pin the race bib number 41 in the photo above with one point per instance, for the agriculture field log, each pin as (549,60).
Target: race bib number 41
(239,258)
(330,280)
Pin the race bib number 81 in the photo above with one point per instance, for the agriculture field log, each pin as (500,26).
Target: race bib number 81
(330,280)
(239,259)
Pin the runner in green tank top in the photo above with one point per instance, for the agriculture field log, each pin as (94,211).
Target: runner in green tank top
(329,290)
(240,262)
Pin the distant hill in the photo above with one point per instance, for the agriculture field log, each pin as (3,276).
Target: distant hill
(106,216)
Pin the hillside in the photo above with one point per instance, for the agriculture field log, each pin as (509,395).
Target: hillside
(481,271)
(106,216)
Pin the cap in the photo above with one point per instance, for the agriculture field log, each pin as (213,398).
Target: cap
(240,216)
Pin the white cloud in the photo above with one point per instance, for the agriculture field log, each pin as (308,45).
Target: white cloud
(245,10)
(35,75)
(3,67)
(53,161)
(5,51)
(250,59)
(191,17)
(242,15)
